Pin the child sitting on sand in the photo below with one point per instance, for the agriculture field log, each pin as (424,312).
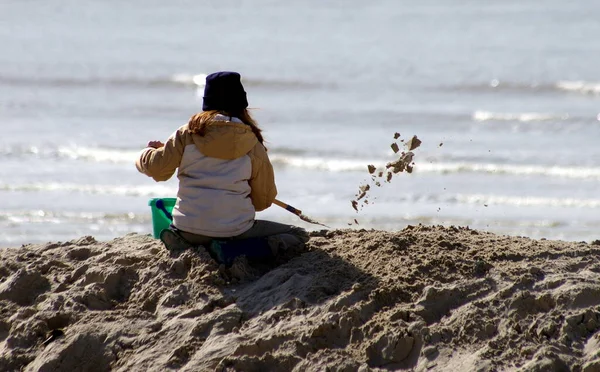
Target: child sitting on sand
(225,175)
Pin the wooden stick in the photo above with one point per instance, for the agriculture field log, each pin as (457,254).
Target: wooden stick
(297,212)
(287,207)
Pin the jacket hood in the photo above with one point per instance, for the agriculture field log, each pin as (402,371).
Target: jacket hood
(226,139)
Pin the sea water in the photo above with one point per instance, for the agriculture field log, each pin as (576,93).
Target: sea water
(504,95)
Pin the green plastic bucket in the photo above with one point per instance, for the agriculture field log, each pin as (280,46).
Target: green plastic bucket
(161,214)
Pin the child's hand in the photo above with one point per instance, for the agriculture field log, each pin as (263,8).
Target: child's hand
(155,144)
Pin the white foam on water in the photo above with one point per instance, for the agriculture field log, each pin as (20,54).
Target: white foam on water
(19,150)
(525,117)
(328,164)
(98,154)
(319,163)
(488,200)
(579,86)
(190,79)
(159,190)
(119,190)
(511,169)
(50,216)
(524,201)
(346,165)
(74,152)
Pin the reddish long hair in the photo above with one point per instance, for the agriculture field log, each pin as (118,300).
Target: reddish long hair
(200,122)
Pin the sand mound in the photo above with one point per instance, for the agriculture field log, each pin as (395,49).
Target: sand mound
(425,298)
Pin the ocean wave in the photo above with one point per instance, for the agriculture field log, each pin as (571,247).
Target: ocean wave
(156,190)
(524,201)
(128,156)
(73,152)
(486,200)
(102,155)
(497,85)
(512,169)
(521,117)
(50,216)
(117,190)
(281,155)
(329,163)
(175,80)
(96,81)
(583,87)
(345,165)
(322,164)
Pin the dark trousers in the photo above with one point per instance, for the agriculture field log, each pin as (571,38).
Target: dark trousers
(281,236)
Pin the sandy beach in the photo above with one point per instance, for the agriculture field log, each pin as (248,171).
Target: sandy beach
(427,298)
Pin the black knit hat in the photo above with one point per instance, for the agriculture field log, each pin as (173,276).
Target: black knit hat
(224,92)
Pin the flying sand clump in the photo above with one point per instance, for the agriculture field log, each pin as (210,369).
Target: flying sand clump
(404,163)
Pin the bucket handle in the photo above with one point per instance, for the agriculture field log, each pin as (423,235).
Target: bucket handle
(160,204)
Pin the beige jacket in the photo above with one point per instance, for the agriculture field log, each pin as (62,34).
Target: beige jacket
(224,176)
